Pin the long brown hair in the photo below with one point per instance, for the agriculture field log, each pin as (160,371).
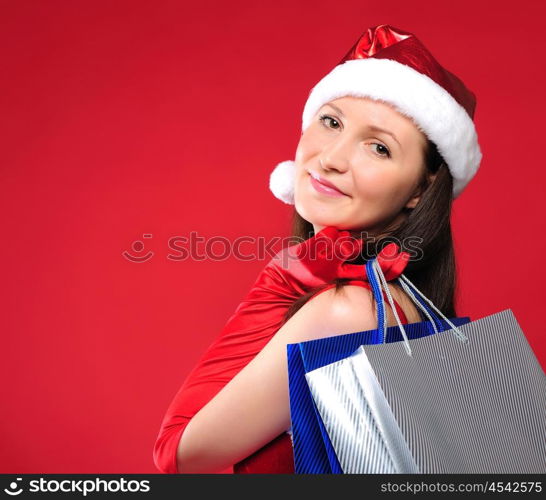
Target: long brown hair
(433,269)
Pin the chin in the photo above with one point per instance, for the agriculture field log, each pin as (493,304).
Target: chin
(324,213)
(318,219)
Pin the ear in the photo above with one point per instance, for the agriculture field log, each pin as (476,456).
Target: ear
(416,197)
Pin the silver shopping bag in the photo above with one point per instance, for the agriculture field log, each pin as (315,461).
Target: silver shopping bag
(473,402)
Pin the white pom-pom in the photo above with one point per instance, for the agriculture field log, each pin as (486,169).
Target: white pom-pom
(281,181)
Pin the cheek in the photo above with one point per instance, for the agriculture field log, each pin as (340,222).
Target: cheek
(304,198)
(310,144)
(300,173)
(301,153)
(380,190)
(375,183)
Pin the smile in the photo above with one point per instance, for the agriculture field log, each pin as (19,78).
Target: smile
(324,187)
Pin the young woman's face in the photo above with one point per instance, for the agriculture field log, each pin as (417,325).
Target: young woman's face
(377,174)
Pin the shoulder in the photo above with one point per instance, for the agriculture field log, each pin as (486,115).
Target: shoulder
(347,310)
(332,312)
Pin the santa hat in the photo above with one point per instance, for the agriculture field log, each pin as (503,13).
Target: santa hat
(392,65)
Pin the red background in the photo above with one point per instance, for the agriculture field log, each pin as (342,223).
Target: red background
(129,117)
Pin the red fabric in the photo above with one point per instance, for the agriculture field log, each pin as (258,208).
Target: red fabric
(257,318)
(289,275)
(285,278)
(277,457)
(387,42)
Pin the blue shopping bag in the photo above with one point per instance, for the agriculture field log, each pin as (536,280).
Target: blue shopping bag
(313,450)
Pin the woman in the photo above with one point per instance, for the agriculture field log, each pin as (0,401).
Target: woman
(387,142)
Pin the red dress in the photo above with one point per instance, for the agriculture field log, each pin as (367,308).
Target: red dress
(277,456)
(223,360)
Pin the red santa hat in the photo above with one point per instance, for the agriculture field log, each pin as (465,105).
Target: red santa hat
(392,65)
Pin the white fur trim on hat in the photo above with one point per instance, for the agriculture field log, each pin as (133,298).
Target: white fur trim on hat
(435,112)
(281,181)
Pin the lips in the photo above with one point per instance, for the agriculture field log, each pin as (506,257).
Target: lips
(325,182)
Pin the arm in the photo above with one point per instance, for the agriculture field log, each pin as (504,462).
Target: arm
(290,274)
(257,319)
(253,407)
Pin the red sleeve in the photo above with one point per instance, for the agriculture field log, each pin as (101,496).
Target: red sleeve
(245,334)
(239,342)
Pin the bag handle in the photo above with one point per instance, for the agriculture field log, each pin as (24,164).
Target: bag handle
(421,304)
(377,280)
(376,289)
(456,330)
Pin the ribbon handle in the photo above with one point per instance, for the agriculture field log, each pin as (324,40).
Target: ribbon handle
(378,282)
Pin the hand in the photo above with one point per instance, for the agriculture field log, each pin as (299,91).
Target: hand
(391,260)
(324,257)
(295,270)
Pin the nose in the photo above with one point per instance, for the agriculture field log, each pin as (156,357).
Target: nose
(335,156)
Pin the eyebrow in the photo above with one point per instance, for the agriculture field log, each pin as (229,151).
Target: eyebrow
(371,127)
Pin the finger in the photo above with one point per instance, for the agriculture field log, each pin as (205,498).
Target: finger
(387,257)
(398,266)
(351,248)
(353,271)
(389,251)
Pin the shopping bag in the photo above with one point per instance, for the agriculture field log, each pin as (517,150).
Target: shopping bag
(313,451)
(470,399)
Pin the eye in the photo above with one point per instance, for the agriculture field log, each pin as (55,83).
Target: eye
(330,122)
(386,153)
(329,119)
